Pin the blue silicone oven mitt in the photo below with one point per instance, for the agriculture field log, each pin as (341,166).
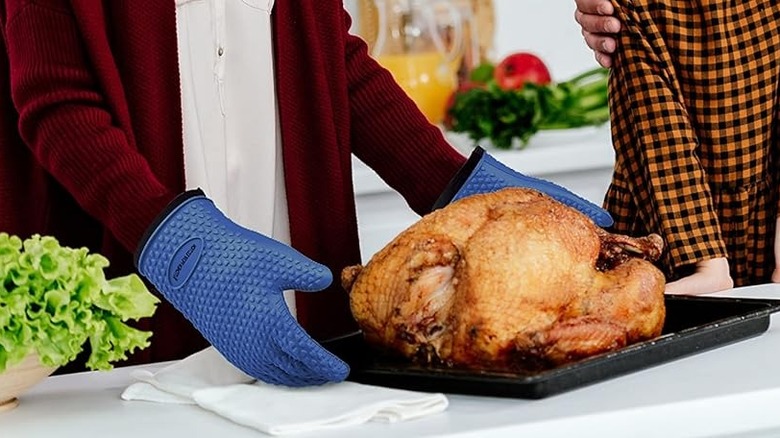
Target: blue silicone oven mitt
(482,173)
(228,282)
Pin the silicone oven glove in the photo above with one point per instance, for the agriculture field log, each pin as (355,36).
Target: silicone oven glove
(482,174)
(228,281)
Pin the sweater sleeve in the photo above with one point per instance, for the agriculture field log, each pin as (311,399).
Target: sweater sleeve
(391,135)
(66,121)
(656,143)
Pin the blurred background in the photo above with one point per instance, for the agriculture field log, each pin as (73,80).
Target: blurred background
(546,27)
(432,47)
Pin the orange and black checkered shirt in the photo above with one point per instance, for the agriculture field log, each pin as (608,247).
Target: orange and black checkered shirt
(694,104)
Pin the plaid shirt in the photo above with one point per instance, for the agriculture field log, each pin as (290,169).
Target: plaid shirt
(694,109)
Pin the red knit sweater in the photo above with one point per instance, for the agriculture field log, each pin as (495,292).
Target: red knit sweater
(91,147)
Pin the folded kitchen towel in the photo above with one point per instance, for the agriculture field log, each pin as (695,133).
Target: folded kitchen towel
(208,380)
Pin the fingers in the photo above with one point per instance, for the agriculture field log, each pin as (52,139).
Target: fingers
(600,43)
(288,371)
(315,364)
(776,275)
(600,24)
(599,27)
(696,284)
(286,267)
(301,273)
(278,372)
(600,7)
(290,357)
(683,286)
(602,46)
(710,276)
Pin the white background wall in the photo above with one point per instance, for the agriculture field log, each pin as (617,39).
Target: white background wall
(545,27)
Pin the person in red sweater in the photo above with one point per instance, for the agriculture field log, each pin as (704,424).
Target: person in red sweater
(114,113)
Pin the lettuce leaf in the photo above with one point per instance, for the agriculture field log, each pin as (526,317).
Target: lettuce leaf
(55,299)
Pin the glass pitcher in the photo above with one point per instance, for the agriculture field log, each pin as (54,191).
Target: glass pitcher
(421,42)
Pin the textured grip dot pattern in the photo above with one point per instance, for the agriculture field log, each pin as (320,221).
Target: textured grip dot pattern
(491,175)
(233,293)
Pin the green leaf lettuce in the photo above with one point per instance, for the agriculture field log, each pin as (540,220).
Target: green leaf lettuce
(55,299)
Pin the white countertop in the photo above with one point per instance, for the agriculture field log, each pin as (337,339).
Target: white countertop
(569,150)
(732,391)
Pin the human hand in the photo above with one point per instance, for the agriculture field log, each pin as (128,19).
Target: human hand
(776,272)
(228,281)
(710,276)
(596,17)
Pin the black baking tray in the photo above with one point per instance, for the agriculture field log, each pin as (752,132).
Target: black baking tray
(693,324)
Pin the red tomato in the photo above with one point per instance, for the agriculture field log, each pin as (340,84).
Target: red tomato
(518,68)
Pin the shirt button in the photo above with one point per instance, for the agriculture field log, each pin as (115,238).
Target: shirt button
(220,51)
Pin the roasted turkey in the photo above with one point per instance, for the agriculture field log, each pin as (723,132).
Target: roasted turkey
(512,280)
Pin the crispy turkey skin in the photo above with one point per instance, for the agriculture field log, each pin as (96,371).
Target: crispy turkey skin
(510,280)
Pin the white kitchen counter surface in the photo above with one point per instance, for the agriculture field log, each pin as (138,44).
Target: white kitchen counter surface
(548,152)
(732,391)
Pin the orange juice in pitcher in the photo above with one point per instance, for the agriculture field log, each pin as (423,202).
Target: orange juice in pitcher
(429,78)
(421,43)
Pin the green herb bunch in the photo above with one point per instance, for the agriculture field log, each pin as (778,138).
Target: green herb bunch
(484,110)
(54,299)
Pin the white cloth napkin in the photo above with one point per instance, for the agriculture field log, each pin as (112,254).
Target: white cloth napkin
(208,380)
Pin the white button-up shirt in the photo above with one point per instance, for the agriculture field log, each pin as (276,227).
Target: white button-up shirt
(232,148)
